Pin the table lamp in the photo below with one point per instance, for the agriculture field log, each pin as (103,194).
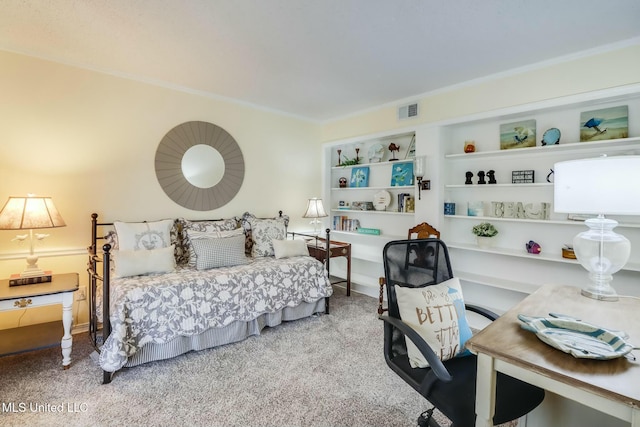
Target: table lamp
(29,213)
(599,186)
(315,210)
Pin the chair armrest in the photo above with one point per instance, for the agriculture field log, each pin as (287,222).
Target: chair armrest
(434,362)
(482,311)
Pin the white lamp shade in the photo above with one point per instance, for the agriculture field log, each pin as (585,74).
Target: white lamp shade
(603,185)
(315,209)
(24,213)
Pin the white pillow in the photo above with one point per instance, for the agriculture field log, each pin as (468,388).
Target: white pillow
(135,236)
(223,252)
(289,248)
(136,263)
(437,313)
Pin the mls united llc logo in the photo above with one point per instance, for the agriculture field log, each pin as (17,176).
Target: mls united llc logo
(22,407)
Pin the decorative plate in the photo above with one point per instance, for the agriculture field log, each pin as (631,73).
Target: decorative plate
(376,153)
(381,200)
(551,136)
(578,338)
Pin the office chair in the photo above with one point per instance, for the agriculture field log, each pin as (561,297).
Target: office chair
(448,385)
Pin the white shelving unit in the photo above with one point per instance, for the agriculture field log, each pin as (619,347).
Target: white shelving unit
(366,251)
(507,265)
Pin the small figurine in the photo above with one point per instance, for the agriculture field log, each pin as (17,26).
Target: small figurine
(469,146)
(492,176)
(393,147)
(533,247)
(342,182)
(469,175)
(481,177)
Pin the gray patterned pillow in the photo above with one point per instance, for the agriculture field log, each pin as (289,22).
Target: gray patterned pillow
(223,252)
(263,231)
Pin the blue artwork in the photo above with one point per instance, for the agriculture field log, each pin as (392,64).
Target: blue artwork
(360,177)
(402,174)
(608,123)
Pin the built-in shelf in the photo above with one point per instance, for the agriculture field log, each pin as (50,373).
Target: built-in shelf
(494,282)
(358,211)
(490,186)
(396,187)
(534,221)
(621,144)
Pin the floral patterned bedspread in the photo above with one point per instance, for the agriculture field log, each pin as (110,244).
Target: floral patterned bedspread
(158,308)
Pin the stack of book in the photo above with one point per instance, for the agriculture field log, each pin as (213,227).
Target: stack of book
(406,202)
(18,280)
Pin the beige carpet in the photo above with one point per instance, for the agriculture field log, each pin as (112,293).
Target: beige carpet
(322,371)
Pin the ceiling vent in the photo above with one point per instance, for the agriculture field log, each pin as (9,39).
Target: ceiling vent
(408,111)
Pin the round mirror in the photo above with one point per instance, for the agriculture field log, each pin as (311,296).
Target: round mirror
(199,166)
(202,166)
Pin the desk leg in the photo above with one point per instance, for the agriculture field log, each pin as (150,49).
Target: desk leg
(67,319)
(485,391)
(635,418)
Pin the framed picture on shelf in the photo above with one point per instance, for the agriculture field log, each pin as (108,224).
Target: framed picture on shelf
(402,174)
(607,123)
(411,151)
(360,177)
(518,135)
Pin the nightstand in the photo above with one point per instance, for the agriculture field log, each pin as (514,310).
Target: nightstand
(317,249)
(59,291)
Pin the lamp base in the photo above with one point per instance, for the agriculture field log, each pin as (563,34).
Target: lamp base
(600,295)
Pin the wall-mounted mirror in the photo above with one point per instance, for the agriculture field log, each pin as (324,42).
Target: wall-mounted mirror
(199,166)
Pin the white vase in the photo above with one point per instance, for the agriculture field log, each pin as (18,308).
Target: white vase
(484,242)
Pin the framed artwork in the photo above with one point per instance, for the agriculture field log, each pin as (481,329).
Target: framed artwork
(402,174)
(607,123)
(360,177)
(518,135)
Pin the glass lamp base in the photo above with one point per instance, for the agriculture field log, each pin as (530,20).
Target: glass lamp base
(599,294)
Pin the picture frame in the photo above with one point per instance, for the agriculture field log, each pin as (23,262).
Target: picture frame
(520,134)
(605,123)
(411,151)
(402,174)
(359,177)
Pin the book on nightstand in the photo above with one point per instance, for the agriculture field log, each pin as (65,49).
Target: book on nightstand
(17,280)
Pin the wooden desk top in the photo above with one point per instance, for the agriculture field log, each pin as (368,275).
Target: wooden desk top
(616,379)
(59,283)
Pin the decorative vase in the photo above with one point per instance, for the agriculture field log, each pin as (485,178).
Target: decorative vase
(484,242)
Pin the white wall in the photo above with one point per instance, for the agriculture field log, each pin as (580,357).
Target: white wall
(88,140)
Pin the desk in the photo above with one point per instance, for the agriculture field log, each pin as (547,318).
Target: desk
(59,291)
(317,249)
(609,386)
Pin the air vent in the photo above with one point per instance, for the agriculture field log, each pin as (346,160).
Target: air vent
(408,111)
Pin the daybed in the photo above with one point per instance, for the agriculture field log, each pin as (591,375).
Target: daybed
(173,286)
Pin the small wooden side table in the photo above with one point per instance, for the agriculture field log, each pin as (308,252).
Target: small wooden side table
(317,249)
(59,291)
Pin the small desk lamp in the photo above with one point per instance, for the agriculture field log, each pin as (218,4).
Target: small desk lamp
(315,210)
(29,213)
(603,185)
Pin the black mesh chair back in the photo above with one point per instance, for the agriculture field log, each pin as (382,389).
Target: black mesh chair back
(450,385)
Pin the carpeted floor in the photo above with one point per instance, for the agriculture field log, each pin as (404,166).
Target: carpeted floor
(321,371)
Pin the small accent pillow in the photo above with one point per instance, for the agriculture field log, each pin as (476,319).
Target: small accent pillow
(134,236)
(199,235)
(289,248)
(223,252)
(136,263)
(437,313)
(206,226)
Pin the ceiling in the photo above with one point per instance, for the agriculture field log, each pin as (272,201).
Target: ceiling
(316,59)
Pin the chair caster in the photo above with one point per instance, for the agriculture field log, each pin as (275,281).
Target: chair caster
(425,419)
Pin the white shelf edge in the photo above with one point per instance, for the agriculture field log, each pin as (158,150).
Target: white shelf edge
(476,186)
(376,164)
(535,221)
(522,254)
(395,187)
(372,212)
(496,282)
(622,143)
(385,236)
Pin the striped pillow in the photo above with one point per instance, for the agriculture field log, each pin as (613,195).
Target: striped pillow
(222,252)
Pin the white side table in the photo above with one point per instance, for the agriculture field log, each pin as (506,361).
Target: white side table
(59,291)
